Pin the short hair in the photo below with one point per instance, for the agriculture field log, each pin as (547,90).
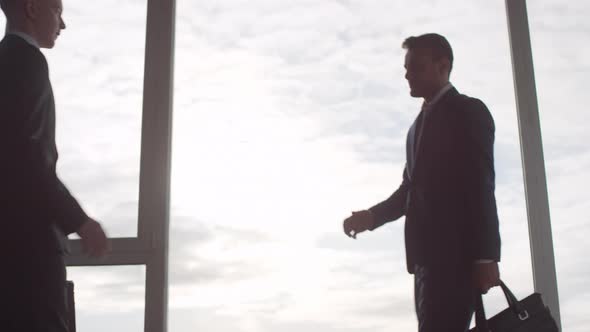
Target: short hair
(5,4)
(437,44)
(8,4)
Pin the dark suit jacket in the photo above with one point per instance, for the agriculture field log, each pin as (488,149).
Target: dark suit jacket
(36,209)
(449,200)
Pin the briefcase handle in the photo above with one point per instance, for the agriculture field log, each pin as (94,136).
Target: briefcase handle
(480,316)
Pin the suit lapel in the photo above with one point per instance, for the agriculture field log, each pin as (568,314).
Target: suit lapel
(435,117)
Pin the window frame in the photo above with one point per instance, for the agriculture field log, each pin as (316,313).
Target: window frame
(150,247)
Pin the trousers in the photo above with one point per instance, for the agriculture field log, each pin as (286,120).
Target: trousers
(444,297)
(33,294)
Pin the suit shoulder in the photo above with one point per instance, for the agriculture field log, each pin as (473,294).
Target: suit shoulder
(473,112)
(20,58)
(471,106)
(468,102)
(24,78)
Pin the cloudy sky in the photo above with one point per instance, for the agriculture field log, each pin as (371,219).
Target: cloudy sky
(289,114)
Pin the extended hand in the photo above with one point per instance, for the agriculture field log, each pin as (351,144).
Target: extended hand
(358,222)
(485,276)
(94,240)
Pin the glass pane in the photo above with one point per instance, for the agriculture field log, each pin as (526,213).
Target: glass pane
(109,298)
(558,33)
(288,117)
(97,74)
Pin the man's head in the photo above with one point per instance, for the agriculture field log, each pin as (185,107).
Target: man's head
(41,19)
(428,63)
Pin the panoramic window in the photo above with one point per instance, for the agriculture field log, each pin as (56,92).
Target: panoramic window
(97,69)
(289,117)
(561,69)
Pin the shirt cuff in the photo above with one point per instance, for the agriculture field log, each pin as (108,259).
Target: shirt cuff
(483,261)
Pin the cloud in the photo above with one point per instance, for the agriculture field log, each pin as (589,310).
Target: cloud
(349,86)
(198,253)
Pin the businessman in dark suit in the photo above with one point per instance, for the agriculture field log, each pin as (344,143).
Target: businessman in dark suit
(36,209)
(447,193)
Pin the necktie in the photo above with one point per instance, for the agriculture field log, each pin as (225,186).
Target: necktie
(419,128)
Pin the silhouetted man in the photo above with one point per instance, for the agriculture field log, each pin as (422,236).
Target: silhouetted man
(36,209)
(447,193)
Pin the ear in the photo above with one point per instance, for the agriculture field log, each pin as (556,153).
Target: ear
(444,66)
(31,8)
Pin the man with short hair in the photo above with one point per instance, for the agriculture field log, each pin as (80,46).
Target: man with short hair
(447,193)
(36,209)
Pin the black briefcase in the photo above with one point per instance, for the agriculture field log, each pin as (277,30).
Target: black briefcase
(527,315)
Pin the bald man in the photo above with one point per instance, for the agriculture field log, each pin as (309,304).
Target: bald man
(36,210)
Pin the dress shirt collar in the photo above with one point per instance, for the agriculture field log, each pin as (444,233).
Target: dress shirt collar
(30,40)
(437,96)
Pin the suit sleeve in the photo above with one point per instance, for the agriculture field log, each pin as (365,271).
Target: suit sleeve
(478,130)
(393,207)
(37,182)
